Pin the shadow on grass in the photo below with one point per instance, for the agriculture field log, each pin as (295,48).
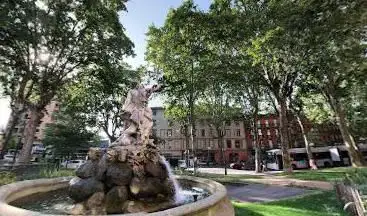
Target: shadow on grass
(319,204)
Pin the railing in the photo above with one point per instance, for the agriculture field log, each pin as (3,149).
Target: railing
(351,198)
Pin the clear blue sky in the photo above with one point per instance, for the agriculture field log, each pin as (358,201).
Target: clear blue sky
(141,14)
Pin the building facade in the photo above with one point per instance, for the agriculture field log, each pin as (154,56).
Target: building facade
(238,142)
(207,147)
(46,119)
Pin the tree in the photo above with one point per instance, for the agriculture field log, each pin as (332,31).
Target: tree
(46,44)
(217,107)
(98,97)
(338,58)
(178,114)
(177,49)
(67,135)
(273,33)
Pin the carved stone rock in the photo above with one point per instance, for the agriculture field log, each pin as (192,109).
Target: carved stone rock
(156,170)
(116,200)
(86,170)
(119,174)
(95,153)
(146,187)
(81,189)
(96,204)
(137,206)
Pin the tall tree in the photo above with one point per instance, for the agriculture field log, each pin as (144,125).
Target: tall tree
(98,97)
(338,57)
(176,49)
(48,43)
(66,135)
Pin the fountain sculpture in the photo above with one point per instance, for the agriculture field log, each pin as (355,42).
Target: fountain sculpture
(130,176)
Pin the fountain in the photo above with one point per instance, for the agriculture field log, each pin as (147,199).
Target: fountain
(129,176)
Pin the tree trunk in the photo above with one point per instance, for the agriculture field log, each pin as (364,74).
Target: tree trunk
(355,155)
(257,146)
(187,138)
(284,135)
(30,130)
(13,121)
(223,156)
(311,159)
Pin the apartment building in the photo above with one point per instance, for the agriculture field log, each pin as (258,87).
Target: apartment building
(47,119)
(207,147)
(269,133)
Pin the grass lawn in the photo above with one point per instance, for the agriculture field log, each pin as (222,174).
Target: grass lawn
(317,204)
(330,174)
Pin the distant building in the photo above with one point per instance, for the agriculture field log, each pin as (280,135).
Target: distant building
(47,119)
(238,138)
(207,148)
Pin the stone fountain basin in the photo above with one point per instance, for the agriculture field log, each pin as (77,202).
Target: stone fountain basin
(217,203)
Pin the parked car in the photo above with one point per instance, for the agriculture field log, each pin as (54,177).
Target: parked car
(72,164)
(238,166)
(8,157)
(182,164)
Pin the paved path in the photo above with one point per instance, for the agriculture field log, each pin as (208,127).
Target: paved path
(262,193)
(271,179)
(233,171)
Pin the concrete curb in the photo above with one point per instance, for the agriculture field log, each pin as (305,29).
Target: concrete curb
(216,204)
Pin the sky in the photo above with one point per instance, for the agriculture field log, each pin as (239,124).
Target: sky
(141,14)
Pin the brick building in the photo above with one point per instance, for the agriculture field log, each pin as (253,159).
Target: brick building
(269,133)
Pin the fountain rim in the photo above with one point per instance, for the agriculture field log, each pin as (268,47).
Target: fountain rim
(12,192)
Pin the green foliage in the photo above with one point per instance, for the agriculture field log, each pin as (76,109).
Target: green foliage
(98,96)
(53,173)
(7,177)
(68,134)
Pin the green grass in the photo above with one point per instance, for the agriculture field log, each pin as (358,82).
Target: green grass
(7,178)
(317,204)
(53,173)
(330,175)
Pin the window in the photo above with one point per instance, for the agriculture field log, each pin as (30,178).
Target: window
(154,112)
(267,123)
(37,130)
(238,132)
(161,133)
(275,121)
(276,132)
(268,132)
(228,132)
(203,132)
(258,123)
(211,132)
(237,144)
(237,123)
(154,131)
(259,132)
(271,143)
(228,123)
(229,144)
(169,132)
(154,123)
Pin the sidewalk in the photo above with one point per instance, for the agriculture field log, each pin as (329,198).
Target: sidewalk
(283,181)
(270,179)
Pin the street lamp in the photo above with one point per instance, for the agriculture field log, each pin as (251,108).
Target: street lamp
(208,155)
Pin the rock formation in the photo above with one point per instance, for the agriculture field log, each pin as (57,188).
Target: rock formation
(129,176)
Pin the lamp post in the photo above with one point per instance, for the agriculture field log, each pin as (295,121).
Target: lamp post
(207,159)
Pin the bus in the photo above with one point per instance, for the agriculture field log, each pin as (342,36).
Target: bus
(327,156)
